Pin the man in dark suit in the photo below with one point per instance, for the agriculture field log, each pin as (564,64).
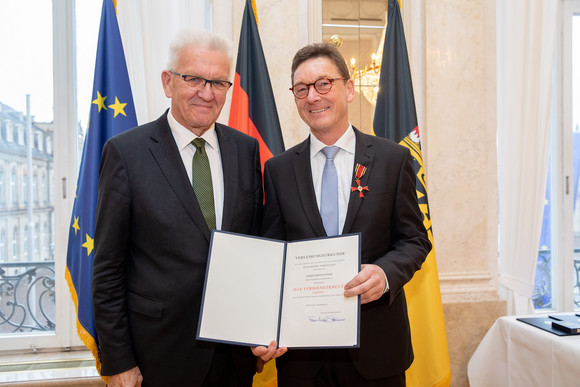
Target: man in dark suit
(375,195)
(153,228)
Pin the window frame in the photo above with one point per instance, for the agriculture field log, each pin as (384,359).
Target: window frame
(561,161)
(64,146)
(565,290)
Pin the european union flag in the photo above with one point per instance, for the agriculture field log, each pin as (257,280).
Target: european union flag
(112,112)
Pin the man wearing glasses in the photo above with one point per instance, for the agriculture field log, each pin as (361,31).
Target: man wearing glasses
(341,181)
(163,187)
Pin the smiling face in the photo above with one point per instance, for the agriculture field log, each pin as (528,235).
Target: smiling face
(325,114)
(197,110)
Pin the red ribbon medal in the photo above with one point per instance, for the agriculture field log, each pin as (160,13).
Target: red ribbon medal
(359,171)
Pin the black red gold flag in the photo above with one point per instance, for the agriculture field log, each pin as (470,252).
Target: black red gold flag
(253,109)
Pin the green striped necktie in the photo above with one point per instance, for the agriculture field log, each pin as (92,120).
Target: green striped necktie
(202,184)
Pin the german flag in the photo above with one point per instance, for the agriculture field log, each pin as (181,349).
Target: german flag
(253,109)
(396,119)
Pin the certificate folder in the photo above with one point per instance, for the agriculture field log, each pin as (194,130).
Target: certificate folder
(258,289)
(544,323)
(558,324)
(568,323)
(567,326)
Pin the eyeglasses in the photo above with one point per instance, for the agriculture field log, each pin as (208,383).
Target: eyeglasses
(199,82)
(322,86)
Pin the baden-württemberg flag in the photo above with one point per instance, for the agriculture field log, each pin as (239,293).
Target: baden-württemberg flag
(396,119)
(112,112)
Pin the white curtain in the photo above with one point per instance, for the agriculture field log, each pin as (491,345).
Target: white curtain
(147,28)
(526,46)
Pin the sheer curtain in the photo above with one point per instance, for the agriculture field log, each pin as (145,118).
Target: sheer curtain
(526,46)
(147,28)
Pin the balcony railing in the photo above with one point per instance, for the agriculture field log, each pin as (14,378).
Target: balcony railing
(27,293)
(542,295)
(27,297)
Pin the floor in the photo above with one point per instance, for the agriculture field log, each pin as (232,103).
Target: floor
(74,368)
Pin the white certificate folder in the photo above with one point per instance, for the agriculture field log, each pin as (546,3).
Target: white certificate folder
(257,290)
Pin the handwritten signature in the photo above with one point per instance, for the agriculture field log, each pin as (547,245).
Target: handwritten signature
(325,319)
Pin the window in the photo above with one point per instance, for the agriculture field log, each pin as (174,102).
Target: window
(39,139)
(43,188)
(9,131)
(557,280)
(48,145)
(2,247)
(13,196)
(15,242)
(24,248)
(36,241)
(24,187)
(20,135)
(35,187)
(41,224)
(45,244)
(1,186)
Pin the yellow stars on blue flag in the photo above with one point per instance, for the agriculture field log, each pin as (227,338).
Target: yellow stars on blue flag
(89,244)
(100,101)
(118,107)
(76,224)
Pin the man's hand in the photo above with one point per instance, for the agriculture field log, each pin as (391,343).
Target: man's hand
(370,283)
(130,378)
(264,354)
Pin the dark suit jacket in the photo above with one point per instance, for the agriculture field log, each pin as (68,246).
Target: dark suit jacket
(151,247)
(392,237)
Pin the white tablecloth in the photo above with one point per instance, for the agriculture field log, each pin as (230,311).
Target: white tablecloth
(515,354)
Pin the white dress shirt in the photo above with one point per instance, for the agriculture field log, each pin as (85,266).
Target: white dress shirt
(183,138)
(344,162)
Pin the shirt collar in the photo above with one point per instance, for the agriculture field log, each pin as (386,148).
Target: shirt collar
(346,142)
(183,136)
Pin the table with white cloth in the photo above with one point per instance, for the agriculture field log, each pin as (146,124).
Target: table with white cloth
(514,354)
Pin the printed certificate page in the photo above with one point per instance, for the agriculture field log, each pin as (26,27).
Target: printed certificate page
(241,300)
(257,290)
(315,312)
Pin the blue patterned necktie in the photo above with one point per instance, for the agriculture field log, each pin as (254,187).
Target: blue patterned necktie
(202,183)
(329,192)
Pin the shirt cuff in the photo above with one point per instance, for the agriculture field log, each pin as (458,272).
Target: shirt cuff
(386,289)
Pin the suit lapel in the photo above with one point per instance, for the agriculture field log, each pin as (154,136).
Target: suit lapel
(166,154)
(364,155)
(229,155)
(303,175)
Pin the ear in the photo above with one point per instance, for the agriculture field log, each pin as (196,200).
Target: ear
(167,83)
(350,92)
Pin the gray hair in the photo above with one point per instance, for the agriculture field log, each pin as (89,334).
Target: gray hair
(200,38)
